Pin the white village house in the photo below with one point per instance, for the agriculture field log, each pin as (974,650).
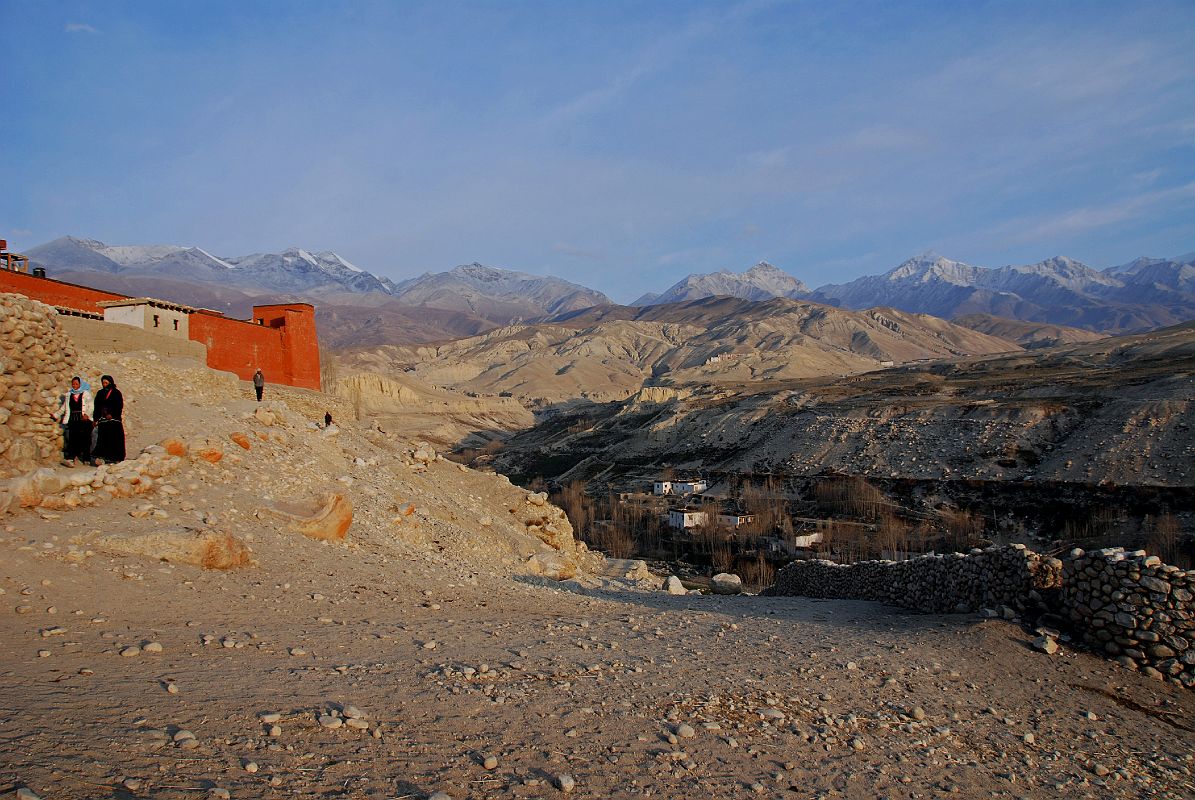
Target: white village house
(686,518)
(681,486)
(733,519)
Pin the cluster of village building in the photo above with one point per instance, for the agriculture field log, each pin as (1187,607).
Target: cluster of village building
(694,509)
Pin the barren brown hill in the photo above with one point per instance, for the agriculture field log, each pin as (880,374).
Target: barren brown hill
(1115,410)
(1026,334)
(608,352)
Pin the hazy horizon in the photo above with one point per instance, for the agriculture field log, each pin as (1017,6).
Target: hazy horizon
(619,146)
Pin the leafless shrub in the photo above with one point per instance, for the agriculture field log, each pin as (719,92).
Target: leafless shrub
(769,504)
(852,496)
(962,530)
(1163,540)
(577,505)
(893,536)
(1101,527)
(611,540)
(757,574)
(721,557)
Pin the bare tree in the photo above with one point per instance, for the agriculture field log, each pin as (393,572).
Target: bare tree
(1163,540)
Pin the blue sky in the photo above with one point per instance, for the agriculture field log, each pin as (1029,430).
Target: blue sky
(622,145)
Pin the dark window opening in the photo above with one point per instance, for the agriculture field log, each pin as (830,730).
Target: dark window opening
(156,320)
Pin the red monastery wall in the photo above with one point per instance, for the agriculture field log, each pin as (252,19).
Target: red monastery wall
(283,346)
(55,293)
(281,340)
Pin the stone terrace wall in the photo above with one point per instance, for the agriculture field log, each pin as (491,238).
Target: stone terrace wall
(1009,576)
(1129,606)
(36,359)
(1135,609)
(95,335)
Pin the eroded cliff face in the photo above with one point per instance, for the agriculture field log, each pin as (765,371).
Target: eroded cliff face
(1117,411)
(418,409)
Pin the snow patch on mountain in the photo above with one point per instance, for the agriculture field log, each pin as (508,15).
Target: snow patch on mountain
(760,282)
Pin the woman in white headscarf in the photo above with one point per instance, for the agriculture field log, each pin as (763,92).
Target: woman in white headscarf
(76,414)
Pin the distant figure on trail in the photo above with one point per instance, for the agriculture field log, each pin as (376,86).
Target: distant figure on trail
(259,383)
(327,419)
(74,412)
(109,422)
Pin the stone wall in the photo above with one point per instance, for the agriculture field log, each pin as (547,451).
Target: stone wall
(955,582)
(1129,606)
(95,335)
(36,363)
(1133,608)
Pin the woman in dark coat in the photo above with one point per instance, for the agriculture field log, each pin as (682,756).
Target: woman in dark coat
(109,413)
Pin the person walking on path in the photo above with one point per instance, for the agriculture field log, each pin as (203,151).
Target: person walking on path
(74,413)
(109,422)
(259,383)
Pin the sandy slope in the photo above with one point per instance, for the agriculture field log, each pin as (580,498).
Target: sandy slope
(549,679)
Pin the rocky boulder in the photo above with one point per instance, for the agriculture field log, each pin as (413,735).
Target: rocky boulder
(327,517)
(206,549)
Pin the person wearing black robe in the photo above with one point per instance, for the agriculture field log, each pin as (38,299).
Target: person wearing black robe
(75,411)
(109,420)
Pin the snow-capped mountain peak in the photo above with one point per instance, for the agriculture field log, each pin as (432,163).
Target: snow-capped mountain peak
(760,282)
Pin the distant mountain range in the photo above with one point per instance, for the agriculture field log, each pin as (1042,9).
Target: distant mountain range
(293,270)
(1144,294)
(354,306)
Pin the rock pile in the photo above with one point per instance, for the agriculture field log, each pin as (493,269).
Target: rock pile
(36,360)
(61,490)
(1010,575)
(1134,608)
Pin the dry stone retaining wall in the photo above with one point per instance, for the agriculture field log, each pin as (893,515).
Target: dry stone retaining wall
(1129,606)
(1133,608)
(36,361)
(1010,576)
(95,335)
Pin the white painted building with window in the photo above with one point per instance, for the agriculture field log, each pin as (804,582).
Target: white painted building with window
(154,316)
(686,518)
(681,486)
(734,519)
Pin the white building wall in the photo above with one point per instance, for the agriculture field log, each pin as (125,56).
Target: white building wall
(686,519)
(125,315)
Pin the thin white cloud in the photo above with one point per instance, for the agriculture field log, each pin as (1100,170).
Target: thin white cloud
(566,249)
(659,55)
(1081,220)
(1059,227)
(80,27)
